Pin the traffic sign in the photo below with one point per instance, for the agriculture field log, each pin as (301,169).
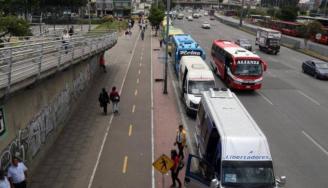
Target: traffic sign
(163,164)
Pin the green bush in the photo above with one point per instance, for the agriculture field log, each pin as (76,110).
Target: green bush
(14,26)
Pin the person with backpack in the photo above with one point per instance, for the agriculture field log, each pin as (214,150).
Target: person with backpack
(104,100)
(115,98)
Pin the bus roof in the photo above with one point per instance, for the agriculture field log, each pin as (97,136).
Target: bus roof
(241,137)
(268,30)
(185,41)
(288,23)
(197,68)
(234,49)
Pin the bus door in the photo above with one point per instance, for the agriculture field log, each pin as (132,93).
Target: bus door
(199,173)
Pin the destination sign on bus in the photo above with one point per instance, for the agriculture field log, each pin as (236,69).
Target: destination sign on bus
(248,62)
(189,53)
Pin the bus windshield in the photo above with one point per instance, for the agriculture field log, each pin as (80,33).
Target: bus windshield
(196,87)
(248,68)
(252,174)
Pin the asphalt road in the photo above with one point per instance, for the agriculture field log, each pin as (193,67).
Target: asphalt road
(291,108)
(126,157)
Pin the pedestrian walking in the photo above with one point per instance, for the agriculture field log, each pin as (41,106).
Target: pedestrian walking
(71,31)
(65,40)
(181,140)
(103,100)
(4,182)
(160,43)
(175,168)
(115,98)
(142,34)
(17,174)
(102,62)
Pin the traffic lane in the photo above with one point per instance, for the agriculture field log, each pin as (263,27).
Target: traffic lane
(293,154)
(276,84)
(114,170)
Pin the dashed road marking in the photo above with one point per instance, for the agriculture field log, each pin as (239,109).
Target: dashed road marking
(125,164)
(265,98)
(315,142)
(130,129)
(133,108)
(308,97)
(136,92)
(139,72)
(140,64)
(138,81)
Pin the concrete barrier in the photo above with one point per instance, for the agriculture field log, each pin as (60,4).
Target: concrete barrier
(31,119)
(323,51)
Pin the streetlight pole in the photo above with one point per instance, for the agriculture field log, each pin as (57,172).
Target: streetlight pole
(166,46)
(241,13)
(89,14)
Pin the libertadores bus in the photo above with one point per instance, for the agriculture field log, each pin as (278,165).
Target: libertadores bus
(184,45)
(233,152)
(239,68)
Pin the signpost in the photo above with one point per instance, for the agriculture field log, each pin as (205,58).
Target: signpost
(163,164)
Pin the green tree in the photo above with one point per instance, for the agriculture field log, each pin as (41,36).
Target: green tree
(288,13)
(311,30)
(13,26)
(156,16)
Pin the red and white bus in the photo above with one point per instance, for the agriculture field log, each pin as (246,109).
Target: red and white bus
(239,68)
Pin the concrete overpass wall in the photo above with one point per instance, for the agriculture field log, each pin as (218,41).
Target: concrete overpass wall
(33,117)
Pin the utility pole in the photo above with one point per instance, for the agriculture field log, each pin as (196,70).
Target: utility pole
(89,7)
(241,13)
(166,46)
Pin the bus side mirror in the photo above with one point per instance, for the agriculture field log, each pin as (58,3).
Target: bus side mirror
(281,181)
(265,66)
(214,183)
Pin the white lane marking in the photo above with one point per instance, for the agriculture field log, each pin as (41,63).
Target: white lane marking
(111,118)
(133,108)
(265,98)
(138,81)
(136,92)
(139,72)
(308,97)
(140,64)
(315,143)
(152,112)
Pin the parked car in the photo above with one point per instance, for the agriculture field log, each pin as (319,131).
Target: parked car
(244,43)
(205,14)
(316,68)
(189,18)
(212,18)
(206,25)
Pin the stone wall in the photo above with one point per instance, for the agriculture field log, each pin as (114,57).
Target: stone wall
(32,118)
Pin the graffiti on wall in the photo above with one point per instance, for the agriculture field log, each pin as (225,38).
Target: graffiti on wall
(30,139)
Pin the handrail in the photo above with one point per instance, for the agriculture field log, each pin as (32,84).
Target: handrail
(18,63)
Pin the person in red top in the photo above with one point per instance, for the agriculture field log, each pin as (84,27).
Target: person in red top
(176,168)
(102,62)
(115,98)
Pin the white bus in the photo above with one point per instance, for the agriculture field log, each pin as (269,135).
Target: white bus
(233,151)
(194,77)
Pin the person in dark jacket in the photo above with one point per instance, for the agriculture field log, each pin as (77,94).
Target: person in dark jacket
(103,100)
(115,98)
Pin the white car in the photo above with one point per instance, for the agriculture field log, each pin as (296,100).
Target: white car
(189,18)
(205,14)
(206,25)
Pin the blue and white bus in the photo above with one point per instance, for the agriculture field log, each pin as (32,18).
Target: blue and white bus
(184,45)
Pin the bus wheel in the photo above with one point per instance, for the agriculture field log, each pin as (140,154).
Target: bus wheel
(275,52)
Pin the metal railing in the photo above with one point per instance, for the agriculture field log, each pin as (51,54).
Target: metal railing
(30,59)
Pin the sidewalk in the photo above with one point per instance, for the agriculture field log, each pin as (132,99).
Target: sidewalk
(166,115)
(70,161)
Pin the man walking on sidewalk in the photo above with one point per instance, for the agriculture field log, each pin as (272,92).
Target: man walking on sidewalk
(181,140)
(17,174)
(115,98)
(104,100)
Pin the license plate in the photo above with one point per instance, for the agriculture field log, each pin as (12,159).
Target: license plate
(248,87)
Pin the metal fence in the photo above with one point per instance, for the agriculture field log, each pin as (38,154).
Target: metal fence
(29,59)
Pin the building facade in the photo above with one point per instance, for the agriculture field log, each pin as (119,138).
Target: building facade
(118,8)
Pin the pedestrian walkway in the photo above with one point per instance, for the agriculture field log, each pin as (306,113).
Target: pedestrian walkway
(71,160)
(166,114)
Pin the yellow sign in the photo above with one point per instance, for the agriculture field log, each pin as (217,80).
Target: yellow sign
(163,164)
